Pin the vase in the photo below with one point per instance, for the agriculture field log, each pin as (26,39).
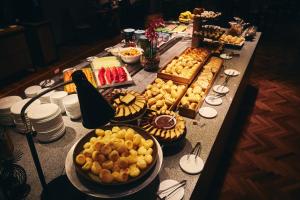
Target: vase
(151,57)
(150,64)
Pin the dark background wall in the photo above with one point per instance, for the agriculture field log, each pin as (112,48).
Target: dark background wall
(65,14)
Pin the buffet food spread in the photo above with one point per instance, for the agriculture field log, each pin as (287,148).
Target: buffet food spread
(126,151)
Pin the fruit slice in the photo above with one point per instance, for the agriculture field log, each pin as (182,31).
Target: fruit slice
(137,108)
(162,134)
(117,101)
(146,126)
(121,112)
(139,104)
(101,78)
(128,99)
(122,74)
(127,111)
(115,74)
(109,76)
(132,110)
(168,134)
(153,131)
(158,132)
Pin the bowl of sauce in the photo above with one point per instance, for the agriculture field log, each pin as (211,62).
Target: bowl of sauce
(165,121)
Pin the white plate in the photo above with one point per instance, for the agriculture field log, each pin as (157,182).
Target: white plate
(43,111)
(214,101)
(17,107)
(191,164)
(7,102)
(208,112)
(177,195)
(231,72)
(225,56)
(32,91)
(221,89)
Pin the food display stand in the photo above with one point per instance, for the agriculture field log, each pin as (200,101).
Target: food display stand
(211,133)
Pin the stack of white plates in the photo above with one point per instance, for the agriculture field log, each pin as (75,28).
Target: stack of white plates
(32,91)
(5,105)
(46,97)
(72,107)
(57,98)
(16,114)
(47,121)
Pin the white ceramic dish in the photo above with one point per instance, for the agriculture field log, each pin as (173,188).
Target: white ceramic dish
(177,195)
(208,112)
(130,59)
(32,91)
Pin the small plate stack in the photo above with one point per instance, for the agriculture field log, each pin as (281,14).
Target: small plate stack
(32,91)
(57,98)
(46,97)
(5,105)
(16,114)
(71,104)
(47,121)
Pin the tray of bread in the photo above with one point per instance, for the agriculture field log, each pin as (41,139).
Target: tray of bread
(232,41)
(185,67)
(115,155)
(129,105)
(162,95)
(166,126)
(196,93)
(67,75)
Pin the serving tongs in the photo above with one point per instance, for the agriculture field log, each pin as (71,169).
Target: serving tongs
(172,189)
(195,151)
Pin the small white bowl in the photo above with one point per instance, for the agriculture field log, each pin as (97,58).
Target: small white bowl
(130,59)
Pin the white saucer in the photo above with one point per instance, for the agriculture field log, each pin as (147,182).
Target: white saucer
(225,56)
(174,196)
(214,101)
(208,112)
(231,72)
(221,89)
(191,164)
(32,91)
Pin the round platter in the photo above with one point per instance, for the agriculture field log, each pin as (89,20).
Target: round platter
(94,179)
(108,192)
(132,120)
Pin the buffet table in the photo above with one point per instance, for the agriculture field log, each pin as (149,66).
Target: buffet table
(212,133)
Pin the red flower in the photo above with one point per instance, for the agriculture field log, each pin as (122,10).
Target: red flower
(150,32)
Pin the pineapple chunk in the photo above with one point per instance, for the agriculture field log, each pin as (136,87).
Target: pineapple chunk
(127,111)
(117,101)
(140,104)
(120,112)
(132,110)
(128,98)
(137,108)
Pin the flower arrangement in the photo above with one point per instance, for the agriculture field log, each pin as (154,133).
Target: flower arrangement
(152,36)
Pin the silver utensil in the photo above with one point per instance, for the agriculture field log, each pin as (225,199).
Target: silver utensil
(174,187)
(196,150)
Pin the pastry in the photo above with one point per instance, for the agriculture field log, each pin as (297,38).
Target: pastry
(195,93)
(187,63)
(161,95)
